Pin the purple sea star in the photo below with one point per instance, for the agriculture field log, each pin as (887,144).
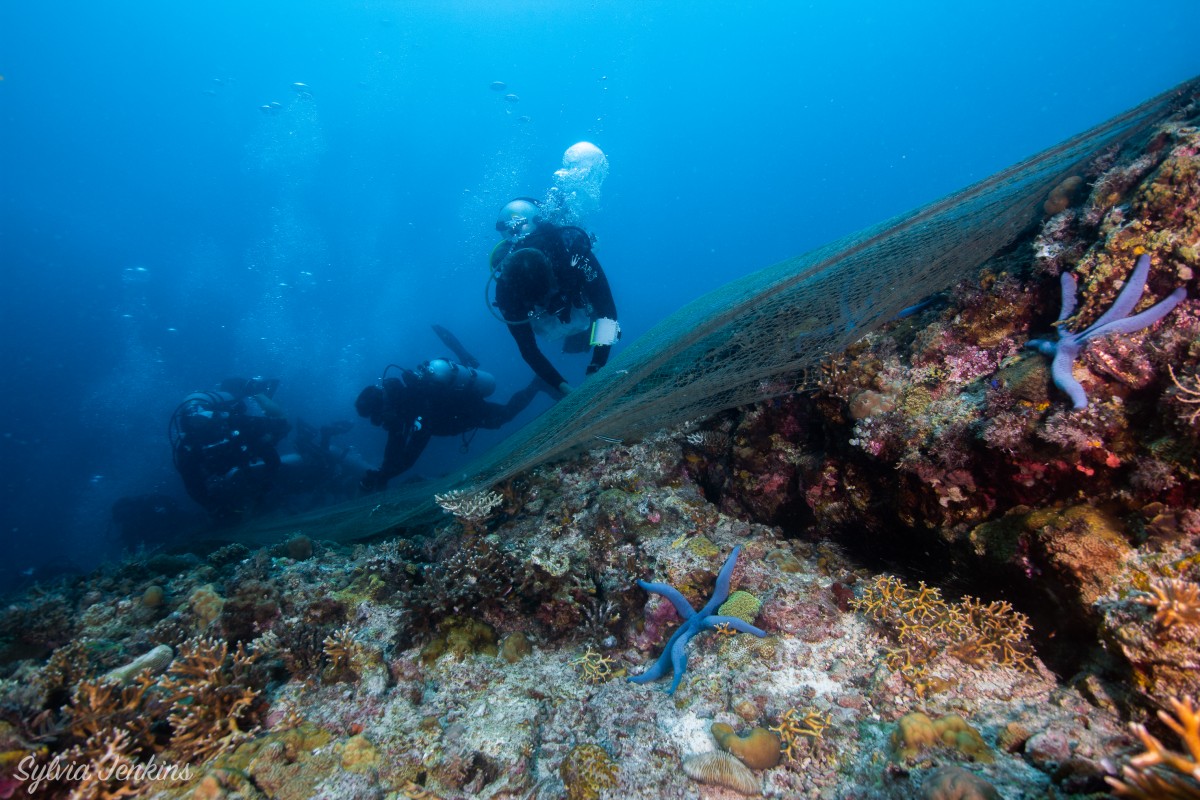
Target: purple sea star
(1069,345)
(674,655)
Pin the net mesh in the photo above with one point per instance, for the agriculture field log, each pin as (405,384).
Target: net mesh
(758,337)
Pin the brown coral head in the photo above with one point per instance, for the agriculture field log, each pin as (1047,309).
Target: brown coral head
(956,783)
(1062,195)
(758,748)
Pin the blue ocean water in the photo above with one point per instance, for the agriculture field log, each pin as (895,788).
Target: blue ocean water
(160,231)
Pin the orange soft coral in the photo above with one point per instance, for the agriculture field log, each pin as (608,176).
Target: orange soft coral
(1175,602)
(1162,774)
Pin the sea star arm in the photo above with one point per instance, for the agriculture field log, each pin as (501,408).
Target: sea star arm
(659,668)
(1128,297)
(1138,321)
(671,593)
(679,655)
(1062,370)
(1068,296)
(721,590)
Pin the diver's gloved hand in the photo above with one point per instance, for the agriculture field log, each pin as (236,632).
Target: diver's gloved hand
(564,388)
(592,369)
(372,481)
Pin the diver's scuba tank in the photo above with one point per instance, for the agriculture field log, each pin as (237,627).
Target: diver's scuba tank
(446,374)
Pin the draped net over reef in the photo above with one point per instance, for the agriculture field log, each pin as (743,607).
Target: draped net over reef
(762,335)
(968,580)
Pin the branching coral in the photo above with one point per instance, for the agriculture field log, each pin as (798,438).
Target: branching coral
(791,727)
(341,650)
(469,507)
(99,707)
(112,771)
(925,625)
(213,706)
(206,701)
(1160,773)
(594,667)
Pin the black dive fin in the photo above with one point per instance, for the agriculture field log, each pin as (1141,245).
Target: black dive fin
(451,341)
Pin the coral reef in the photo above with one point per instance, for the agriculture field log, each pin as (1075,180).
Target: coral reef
(925,535)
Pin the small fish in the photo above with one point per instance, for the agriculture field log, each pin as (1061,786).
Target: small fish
(915,308)
(609,439)
(498,86)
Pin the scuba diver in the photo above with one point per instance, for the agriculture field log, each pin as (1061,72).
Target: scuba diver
(549,284)
(438,398)
(224,445)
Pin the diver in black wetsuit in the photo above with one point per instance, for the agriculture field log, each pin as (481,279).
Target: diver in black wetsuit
(550,284)
(224,444)
(438,398)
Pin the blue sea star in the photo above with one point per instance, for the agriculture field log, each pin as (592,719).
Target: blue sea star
(1069,345)
(674,655)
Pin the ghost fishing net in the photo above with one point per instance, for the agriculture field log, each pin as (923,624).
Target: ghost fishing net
(757,337)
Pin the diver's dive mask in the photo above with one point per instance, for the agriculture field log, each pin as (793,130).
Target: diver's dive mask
(515,229)
(518,218)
